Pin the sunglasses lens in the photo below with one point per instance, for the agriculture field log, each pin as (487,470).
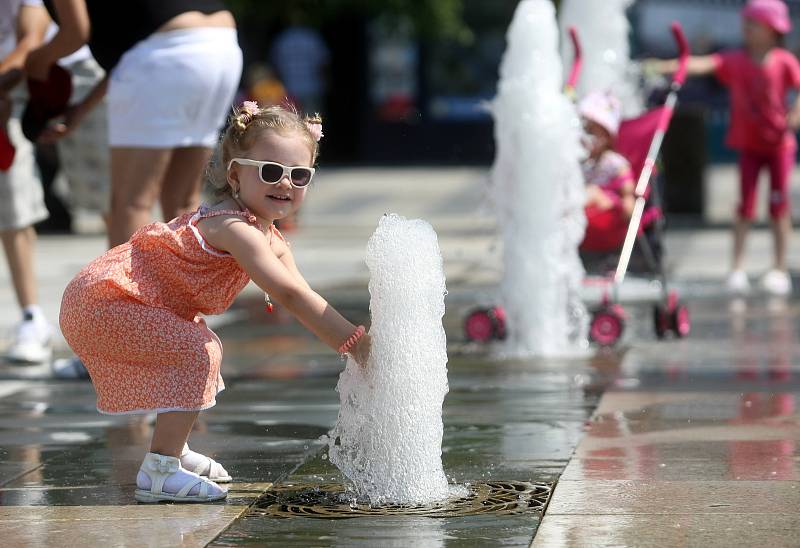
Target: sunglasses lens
(271,173)
(301,176)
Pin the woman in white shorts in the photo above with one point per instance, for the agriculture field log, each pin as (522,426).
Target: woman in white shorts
(174,67)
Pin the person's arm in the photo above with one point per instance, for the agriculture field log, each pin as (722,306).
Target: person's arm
(75,114)
(32,23)
(792,73)
(793,118)
(596,197)
(73,32)
(627,199)
(697,65)
(252,251)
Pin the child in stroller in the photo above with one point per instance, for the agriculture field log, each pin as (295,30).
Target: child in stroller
(608,174)
(619,212)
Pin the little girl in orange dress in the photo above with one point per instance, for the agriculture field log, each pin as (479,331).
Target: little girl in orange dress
(132,315)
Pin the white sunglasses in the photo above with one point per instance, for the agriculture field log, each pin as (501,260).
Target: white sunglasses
(272,172)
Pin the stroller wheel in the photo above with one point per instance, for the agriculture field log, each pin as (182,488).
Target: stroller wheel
(606,327)
(661,321)
(680,321)
(481,325)
(499,322)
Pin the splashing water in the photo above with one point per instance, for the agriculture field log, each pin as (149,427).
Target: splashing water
(603,29)
(539,193)
(388,437)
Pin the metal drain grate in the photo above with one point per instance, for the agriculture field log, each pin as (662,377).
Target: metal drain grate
(330,501)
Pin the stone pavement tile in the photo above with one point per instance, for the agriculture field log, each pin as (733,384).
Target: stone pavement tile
(726,452)
(137,525)
(9,471)
(734,429)
(123,524)
(674,497)
(667,468)
(668,531)
(691,442)
(744,461)
(629,402)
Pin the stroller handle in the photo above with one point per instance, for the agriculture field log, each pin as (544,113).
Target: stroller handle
(683,53)
(575,71)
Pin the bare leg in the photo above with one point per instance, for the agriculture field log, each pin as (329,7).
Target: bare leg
(781,231)
(740,229)
(171,432)
(18,245)
(182,186)
(136,179)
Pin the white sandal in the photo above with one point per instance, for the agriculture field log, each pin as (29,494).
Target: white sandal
(209,468)
(159,468)
(213,471)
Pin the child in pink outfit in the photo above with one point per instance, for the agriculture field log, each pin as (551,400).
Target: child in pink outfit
(607,174)
(133,315)
(759,76)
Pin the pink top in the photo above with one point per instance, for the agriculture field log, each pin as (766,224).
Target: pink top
(758,98)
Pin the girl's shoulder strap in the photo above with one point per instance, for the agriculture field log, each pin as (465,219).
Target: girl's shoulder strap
(205,212)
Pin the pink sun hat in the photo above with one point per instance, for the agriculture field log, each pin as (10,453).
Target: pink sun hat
(602,108)
(772,13)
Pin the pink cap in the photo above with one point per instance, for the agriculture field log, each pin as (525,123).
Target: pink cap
(602,108)
(772,13)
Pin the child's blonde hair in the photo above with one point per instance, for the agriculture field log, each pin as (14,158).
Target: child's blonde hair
(247,123)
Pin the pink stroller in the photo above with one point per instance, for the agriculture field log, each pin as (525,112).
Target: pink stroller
(607,234)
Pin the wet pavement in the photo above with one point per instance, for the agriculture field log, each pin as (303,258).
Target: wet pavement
(693,442)
(503,421)
(69,470)
(661,443)
(697,446)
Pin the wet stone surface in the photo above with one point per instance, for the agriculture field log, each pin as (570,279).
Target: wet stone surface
(695,442)
(717,407)
(503,421)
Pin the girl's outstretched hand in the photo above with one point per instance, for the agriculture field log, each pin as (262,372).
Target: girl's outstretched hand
(361,350)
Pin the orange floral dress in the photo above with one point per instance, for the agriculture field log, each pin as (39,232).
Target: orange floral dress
(132,317)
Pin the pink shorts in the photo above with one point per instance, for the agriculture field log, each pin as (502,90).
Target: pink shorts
(780,165)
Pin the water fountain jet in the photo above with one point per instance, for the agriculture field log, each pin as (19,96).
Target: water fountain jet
(388,436)
(603,29)
(537,187)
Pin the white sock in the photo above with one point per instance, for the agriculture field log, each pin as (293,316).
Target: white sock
(33,312)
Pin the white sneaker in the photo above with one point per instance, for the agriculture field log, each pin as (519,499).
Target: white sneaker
(777,282)
(738,282)
(32,342)
(69,368)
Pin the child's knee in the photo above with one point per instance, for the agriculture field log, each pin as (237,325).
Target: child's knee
(778,204)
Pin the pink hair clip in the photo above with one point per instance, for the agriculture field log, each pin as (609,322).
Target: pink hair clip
(315,127)
(250,107)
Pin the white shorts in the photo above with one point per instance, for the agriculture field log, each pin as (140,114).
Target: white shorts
(21,196)
(174,89)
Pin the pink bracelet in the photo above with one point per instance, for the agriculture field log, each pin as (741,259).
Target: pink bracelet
(352,339)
